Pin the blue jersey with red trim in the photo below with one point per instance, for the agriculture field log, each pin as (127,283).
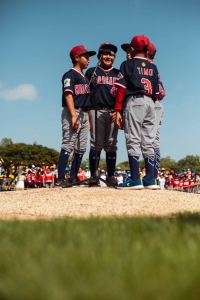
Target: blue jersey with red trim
(105,80)
(77,84)
(138,76)
(161,89)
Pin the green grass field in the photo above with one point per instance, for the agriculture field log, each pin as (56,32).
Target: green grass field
(130,258)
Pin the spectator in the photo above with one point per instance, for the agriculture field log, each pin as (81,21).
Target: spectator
(11,168)
(119,177)
(86,172)
(176,183)
(28,180)
(103,176)
(39,178)
(48,179)
(2,170)
(161,181)
(169,182)
(80,174)
(186,183)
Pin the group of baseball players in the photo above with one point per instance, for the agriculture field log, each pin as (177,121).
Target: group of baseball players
(127,99)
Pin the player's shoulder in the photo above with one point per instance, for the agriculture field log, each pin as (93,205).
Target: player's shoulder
(68,74)
(90,70)
(116,71)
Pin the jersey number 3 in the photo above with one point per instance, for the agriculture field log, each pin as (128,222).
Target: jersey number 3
(147,85)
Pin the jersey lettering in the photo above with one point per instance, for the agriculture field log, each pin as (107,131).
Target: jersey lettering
(106,80)
(81,89)
(145,71)
(113,91)
(147,85)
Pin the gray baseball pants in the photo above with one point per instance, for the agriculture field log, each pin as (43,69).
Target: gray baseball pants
(74,139)
(159,115)
(107,131)
(139,119)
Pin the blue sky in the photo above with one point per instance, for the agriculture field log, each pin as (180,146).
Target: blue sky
(36,37)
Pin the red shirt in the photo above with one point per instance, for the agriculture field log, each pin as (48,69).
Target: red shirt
(48,177)
(170,182)
(80,176)
(176,182)
(181,183)
(186,182)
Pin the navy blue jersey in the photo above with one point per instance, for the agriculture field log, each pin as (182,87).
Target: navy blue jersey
(76,83)
(138,76)
(161,89)
(105,86)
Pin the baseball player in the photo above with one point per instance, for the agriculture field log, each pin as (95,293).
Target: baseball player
(105,77)
(75,90)
(151,51)
(138,84)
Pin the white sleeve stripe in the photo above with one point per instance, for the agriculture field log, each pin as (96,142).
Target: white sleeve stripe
(68,90)
(118,84)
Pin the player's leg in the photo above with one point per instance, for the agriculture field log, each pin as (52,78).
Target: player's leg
(110,147)
(148,137)
(100,137)
(80,144)
(69,136)
(133,117)
(159,115)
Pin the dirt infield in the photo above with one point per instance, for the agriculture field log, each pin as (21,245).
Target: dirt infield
(83,202)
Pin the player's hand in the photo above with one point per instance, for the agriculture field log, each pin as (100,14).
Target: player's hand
(118,120)
(75,122)
(113,117)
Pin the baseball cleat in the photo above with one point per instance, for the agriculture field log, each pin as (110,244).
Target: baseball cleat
(112,180)
(150,184)
(131,185)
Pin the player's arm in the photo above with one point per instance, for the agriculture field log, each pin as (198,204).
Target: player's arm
(70,105)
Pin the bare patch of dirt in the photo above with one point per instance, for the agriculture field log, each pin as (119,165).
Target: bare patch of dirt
(84,202)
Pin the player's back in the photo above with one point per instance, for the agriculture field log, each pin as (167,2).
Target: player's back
(139,76)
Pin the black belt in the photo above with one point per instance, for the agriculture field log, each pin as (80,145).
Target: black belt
(85,109)
(138,96)
(101,106)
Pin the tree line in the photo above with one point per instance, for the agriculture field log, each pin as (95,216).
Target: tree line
(37,154)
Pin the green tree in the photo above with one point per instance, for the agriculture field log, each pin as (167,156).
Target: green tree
(28,154)
(190,161)
(124,165)
(168,162)
(5,142)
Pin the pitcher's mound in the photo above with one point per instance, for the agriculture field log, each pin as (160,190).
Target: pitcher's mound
(83,202)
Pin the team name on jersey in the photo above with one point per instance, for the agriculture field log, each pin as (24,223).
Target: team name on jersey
(81,89)
(106,80)
(145,71)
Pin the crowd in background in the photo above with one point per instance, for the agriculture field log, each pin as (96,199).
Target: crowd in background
(38,176)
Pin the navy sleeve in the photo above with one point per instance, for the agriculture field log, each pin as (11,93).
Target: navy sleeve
(68,82)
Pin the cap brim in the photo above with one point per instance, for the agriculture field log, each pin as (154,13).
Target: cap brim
(91,53)
(110,46)
(125,46)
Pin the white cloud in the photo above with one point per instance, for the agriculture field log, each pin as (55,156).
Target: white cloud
(21,92)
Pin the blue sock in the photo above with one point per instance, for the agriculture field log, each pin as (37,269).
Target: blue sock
(76,162)
(157,162)
(92,160)
(149,164)
(134,166)
(62,162)
(111,163)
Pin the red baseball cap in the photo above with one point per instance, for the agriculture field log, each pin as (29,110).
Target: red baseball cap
(108,45)
(139,42)
(78,50)
(151,48)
